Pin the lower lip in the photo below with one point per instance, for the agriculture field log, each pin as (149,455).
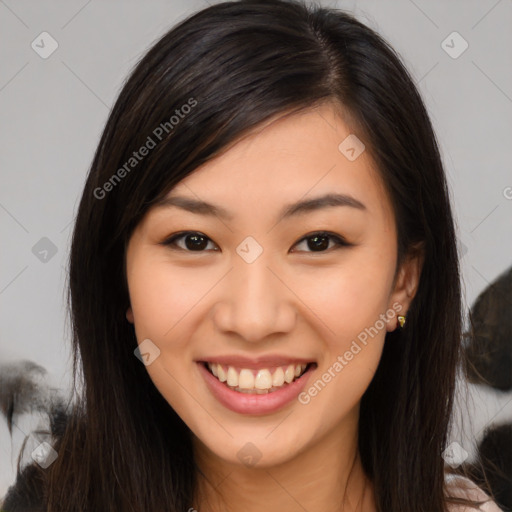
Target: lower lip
(245,403)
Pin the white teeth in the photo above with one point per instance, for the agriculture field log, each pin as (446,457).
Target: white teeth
(278,377)
(289,374)
(232,377)
(263,382)
(263,379)
(221,374)
(245,379)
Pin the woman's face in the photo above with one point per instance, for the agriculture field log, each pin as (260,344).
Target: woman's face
(259,289)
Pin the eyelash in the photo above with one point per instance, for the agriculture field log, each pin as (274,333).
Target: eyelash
(339,241)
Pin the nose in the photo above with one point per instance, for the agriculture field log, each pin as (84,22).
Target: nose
(255,302)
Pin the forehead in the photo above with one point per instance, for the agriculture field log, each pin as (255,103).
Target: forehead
(288,158)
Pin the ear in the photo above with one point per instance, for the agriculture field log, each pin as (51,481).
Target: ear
(129,315)
(406,284)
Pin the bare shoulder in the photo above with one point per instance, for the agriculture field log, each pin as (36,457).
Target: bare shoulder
(461,487)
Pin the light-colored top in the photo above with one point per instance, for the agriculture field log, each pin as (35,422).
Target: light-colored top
(462,487)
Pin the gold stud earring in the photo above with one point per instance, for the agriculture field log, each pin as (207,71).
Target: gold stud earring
(401,320)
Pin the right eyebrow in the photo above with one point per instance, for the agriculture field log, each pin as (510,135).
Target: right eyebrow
(199,207)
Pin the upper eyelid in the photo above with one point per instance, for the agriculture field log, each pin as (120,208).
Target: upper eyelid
(339,239)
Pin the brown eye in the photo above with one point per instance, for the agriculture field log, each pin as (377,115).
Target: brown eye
(194,241)
(319,242)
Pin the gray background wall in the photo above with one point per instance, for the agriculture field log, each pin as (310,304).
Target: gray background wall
(52,111)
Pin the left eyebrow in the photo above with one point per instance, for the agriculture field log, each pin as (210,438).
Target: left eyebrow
(199,207)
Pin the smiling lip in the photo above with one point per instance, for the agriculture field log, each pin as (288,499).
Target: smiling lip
(245,403)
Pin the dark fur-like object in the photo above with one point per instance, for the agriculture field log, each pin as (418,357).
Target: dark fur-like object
(489,349)
(489,362)
(22,390)
(493,466)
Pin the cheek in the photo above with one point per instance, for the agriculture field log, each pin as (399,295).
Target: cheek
(161,298)
(350,303)
(350,297)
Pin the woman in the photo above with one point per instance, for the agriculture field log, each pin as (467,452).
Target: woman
(264,283)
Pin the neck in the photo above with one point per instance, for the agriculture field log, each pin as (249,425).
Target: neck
(326,476)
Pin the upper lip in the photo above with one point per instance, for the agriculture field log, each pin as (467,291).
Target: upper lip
(255,363)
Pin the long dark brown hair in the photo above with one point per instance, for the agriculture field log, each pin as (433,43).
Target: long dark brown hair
(203,85)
